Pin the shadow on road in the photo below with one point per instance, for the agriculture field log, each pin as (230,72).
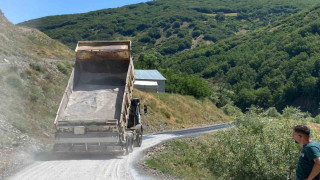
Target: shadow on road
(50,156)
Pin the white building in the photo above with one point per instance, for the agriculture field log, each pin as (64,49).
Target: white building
(149,80)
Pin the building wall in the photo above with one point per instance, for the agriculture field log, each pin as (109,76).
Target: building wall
(146,88)
(150,86)
(161,86)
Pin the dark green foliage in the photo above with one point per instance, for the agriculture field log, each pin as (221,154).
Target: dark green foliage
(147,22)
(64,67)
(277,65)
(145,39)
(220,16)
(175,44)
(258,148)
(274,66)
(210,37)
(37,67)
(196,33)
(148,60)
(186,84)
(154,33)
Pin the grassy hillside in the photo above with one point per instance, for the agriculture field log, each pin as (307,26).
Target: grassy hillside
(173,111)
(32,82)
(30,77)
(22,41)
(277,65)
(259,147)
(168,26)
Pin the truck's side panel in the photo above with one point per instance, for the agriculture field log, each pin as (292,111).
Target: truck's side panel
(125,110)
(65,98)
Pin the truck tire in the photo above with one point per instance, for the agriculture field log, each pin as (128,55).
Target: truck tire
(130,140)
(125,147)
(138,141)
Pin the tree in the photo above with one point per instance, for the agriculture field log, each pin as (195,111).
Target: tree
(149,60)
(220,16)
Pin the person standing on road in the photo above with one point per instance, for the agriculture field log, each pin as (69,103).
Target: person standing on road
(308,167)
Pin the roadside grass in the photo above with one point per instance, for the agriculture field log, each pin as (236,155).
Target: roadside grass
(168,111)
(184,158)
(45,94)
(31,96)
(258,147)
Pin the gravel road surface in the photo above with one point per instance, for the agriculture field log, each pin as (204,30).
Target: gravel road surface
(98,167)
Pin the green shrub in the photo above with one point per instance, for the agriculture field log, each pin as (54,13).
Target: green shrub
(294,113)
(220,95)
(35,94)
(183,159)
(220,16)
(195,34)
(257,148)
(316,119)
(69,65)
(14,81)
(37,67)
(272,112)
(186,84)
(231,110)
(65,68)
(145,39)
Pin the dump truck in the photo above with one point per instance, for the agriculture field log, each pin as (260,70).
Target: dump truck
(97,112)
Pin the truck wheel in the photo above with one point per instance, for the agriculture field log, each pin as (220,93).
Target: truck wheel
(130,140)
(138,141)
(125,147)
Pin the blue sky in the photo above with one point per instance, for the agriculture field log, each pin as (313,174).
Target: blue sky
(22,10)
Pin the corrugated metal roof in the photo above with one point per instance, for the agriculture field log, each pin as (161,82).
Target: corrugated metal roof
(148,75)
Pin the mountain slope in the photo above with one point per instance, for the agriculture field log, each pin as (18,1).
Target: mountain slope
(21,41)
(168,26)
(26,72)
(277,65)
(30,90)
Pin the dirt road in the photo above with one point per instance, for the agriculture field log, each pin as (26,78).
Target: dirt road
(96,167)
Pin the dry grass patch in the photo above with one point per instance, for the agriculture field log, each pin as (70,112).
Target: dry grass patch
(226,14)
(174,111)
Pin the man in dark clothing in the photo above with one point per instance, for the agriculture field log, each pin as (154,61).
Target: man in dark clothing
(145,108)
(308,167)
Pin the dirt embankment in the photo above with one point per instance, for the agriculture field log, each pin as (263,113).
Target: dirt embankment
(16,148)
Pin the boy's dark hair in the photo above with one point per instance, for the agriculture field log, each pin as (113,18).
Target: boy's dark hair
(302,129)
